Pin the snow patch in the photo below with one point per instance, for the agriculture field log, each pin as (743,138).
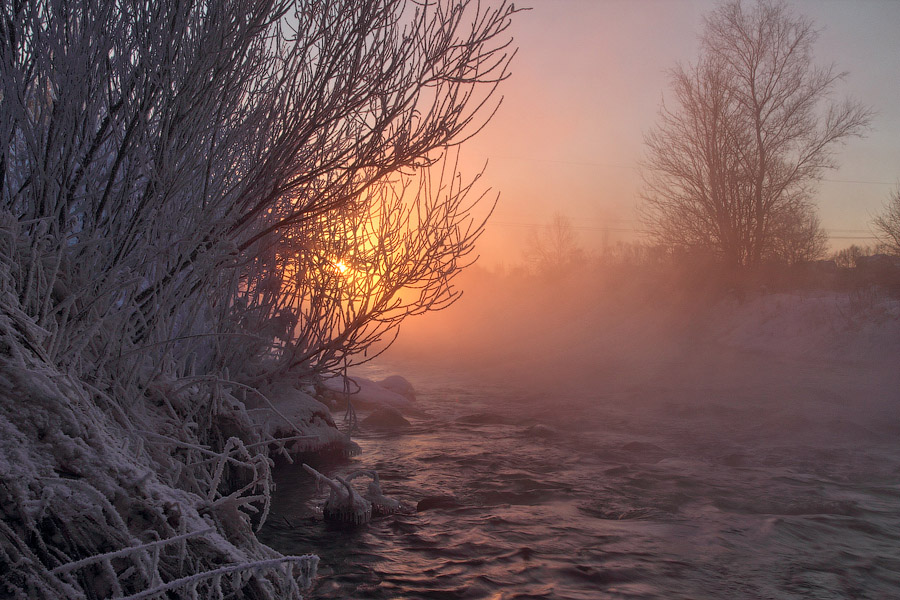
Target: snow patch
(284,412)
(824,325)
(365,393)
(399,385)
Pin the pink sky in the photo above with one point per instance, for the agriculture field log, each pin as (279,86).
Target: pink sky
(587,83)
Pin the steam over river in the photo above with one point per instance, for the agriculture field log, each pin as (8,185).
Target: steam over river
(741,477)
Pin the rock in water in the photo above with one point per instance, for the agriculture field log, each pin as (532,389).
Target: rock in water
(365,393)
(399,385)
(542,431)
(429,502)
(386,418)
(485,418)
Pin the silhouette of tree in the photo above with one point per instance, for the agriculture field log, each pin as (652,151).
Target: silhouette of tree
(846,258)
(797,236)
(887,224)
(737,155)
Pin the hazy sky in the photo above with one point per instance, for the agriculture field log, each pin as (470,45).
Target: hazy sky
(587,84)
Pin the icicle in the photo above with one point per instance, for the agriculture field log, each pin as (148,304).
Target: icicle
(346,505)
(351,448)
(350,508)
(381,504)
(350,415)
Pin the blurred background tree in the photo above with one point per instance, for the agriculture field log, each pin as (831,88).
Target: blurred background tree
(887,224)
(553,250)
(732,165)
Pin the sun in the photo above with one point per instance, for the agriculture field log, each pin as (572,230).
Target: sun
(341,266)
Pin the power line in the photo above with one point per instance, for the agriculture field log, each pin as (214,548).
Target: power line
(561,161)
(833,234)
(575,227)
(860,181)
(606,228)
(590,163)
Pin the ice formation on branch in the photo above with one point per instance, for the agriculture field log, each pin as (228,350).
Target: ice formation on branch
(346,505)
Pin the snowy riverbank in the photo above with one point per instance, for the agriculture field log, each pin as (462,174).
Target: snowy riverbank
(557,337)
(102,494)
(839,326)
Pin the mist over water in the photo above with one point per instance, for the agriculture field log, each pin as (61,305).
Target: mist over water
(604,442)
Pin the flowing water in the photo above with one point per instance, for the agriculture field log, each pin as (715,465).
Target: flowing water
(738,478)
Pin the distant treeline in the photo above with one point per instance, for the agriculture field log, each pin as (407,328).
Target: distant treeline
(654,268)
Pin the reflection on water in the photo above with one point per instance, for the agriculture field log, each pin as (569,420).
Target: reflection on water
(640,490)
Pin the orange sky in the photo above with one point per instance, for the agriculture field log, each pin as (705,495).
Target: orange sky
(587,83)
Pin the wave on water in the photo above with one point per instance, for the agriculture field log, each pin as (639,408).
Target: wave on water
(523,502)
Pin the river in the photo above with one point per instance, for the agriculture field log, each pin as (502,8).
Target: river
(740,477)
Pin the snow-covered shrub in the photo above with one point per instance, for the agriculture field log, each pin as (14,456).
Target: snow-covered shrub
(202,204)
(91,510)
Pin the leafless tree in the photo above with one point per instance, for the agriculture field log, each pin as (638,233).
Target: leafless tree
(749,134)
(887,224)
(553,249)
(196,197)
(847,258)
(154,155)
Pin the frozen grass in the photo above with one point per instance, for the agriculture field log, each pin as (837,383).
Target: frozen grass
(94,509)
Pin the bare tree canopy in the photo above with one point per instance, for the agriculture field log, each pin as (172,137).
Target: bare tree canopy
(173,157)
(887,224)
(736,157)
(203,204)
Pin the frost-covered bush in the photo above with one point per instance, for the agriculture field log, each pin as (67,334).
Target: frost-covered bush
(202,203)
(92,509)
(181,181)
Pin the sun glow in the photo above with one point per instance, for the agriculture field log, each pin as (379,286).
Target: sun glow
(341,266)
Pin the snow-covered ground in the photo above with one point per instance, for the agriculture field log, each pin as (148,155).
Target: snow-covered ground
(815,325)
(393,391)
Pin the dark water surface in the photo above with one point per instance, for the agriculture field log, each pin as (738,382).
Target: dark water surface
(694,480)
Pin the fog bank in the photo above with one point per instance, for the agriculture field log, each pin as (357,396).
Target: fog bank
(616,339)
